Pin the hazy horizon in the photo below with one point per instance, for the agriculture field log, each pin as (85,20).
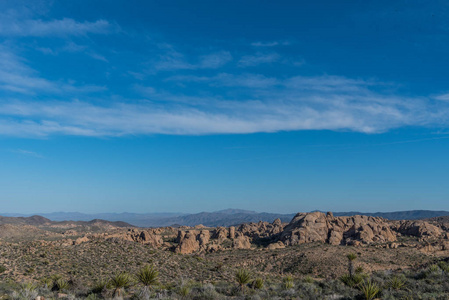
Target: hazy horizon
(197,212)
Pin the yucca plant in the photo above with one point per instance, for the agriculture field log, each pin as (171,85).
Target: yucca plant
(184,290)
(287,282)
(369,289)
(28,286)
(47,282)
(99,286)
(444,266)
(243,277)
(351,257)
(148,276)
(353,281)
(61,284)
(396,283)
(258,284)
(434,269)
(119,282)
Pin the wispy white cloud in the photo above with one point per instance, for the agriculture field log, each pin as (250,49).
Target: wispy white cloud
(214,60)
(443,97)
(322,84)
(258,58)
(270,44)
(174,60)
(28,153)
(272,111)
(71,47)
(265,44)
(248,80)
(11,26)
(16,76)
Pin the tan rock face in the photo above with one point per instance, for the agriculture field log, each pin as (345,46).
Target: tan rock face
(81,240)
(204,237)
(419,229)
(241,242)
(260,229)
(278,245)
(231,232)
(221,234)
(189,242)
(319,227)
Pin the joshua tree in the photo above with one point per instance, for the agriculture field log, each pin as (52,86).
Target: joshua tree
(148,276)
(351,257)
(242,277)
(120,281)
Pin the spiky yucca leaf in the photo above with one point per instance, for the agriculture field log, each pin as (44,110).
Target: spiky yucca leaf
(243,277)
(120,281)
(369,289)
(148,276)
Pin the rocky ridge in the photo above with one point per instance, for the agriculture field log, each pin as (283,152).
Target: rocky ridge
(315,227)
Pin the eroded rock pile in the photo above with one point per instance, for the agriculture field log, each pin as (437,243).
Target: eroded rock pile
(418,228)
(325,228)
(303,228)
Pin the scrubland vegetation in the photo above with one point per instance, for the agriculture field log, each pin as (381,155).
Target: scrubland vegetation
(428,282)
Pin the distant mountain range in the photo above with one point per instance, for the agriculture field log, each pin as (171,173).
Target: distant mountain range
(36,220)
(226,217)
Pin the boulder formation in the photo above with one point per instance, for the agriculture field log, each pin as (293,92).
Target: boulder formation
(303,228)
(419,228)
(188,242)
(325,228)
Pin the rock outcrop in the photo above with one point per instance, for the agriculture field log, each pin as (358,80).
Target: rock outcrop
(319,227)
(241,242)
(261,229)
(419,228)
(188,242)
(303,228)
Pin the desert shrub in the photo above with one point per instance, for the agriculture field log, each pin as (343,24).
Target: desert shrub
(208,292)
(184,290)
(396,282)
(336,289)
(444,266)
(61,285)
(142,294)
(27,291)
(92,296)
(369,289)
(99,286)
(308,279)
(258,284)
(47,282)
(287,282)
(2,269)
(309,291)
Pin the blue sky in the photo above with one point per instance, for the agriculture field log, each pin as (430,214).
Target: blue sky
(147,106)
